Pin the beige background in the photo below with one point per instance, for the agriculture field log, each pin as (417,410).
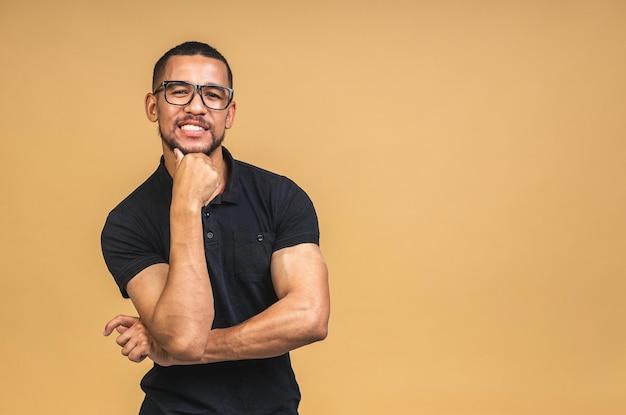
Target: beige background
(466,159)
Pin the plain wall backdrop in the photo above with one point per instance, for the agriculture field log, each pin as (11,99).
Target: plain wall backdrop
(466,159)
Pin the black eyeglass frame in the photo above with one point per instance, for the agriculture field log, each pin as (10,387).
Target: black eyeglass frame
(196,88)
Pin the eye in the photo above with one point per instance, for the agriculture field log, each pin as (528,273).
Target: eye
(214,93)
(178,89)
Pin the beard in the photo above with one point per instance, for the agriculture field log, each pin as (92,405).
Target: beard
(171,142)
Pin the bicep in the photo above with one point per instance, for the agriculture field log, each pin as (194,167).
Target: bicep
(301,270)
(145,289)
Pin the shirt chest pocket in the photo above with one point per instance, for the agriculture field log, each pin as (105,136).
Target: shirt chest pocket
(253,253)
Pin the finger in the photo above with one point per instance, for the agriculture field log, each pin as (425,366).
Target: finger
(136,349)
(119,320)
(123,339)
(121,329)
(139,359)
(133,333)
(138,353)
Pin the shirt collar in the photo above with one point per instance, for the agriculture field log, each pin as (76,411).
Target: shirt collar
(232,191)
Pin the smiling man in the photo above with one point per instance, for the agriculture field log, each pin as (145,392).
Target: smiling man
(220,258)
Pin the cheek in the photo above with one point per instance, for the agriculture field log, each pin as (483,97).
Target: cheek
(167,118)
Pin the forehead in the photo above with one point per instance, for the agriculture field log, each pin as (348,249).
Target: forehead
(196,69)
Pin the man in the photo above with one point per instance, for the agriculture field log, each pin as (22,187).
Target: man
(221,259)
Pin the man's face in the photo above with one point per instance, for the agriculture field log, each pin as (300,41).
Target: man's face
(192,128)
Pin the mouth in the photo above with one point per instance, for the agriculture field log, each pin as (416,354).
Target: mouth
(191,127)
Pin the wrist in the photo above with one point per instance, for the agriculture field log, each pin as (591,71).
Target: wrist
(182,208)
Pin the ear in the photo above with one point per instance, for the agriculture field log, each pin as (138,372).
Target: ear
(151,107)
(230,114)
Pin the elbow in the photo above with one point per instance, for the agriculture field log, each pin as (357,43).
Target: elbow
(185,349)
(183,339)
(317,326)
(319,334)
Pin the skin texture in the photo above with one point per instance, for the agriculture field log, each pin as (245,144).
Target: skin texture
(174,301)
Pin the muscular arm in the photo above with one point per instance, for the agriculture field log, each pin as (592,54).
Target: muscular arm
(175,301)
(299,317)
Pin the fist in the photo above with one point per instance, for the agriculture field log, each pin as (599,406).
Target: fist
(196,178)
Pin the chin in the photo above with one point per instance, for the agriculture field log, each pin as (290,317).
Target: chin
(207,149)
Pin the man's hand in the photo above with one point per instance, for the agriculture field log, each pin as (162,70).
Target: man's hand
(135,340)
(196,178)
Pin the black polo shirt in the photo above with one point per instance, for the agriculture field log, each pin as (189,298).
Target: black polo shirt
(258,213)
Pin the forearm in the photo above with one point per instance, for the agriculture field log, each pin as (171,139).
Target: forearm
(283,327)
(299,317)
(183,314)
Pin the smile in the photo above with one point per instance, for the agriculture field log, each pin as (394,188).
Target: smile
(190,127)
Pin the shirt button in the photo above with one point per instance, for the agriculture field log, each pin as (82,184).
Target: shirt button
(207,213)
(259,238)
(209,235)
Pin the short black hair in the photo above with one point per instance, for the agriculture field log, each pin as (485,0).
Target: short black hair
(189,49)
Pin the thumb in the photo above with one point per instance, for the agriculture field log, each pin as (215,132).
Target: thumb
(179,155)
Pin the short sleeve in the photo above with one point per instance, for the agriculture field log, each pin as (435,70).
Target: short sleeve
(297,220)
(127,249)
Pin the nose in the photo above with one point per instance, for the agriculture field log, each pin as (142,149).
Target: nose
(196,105)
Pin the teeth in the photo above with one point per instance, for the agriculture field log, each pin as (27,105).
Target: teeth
(190,127)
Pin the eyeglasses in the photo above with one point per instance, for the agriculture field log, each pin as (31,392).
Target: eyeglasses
(215,97)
